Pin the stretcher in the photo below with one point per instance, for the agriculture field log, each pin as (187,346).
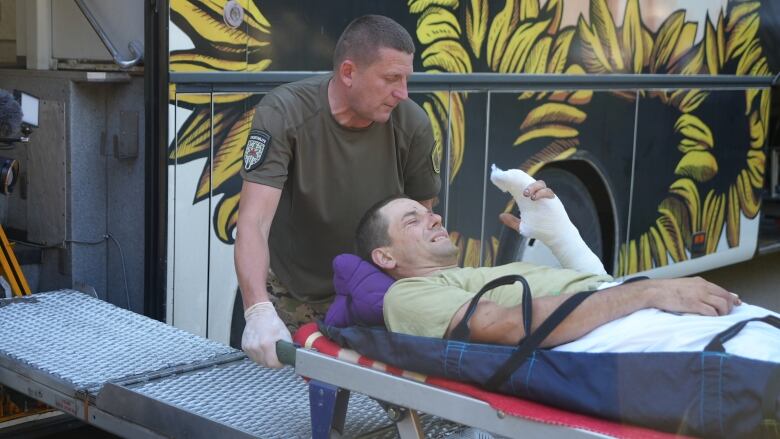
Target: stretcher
(701,390)
(140,378)
(334,372)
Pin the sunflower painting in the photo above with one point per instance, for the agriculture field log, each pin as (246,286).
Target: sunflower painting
(717,169)
(515,37)
(698,169)
(217,47)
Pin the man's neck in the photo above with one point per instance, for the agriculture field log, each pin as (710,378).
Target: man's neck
(340,109)
(404,272)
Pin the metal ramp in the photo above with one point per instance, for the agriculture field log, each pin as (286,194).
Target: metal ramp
(137,377)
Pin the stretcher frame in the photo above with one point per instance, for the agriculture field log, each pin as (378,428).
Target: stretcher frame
(332,379)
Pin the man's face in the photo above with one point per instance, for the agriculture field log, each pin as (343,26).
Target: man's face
(417,237)
(377,88)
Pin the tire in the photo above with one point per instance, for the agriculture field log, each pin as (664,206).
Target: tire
(580,207)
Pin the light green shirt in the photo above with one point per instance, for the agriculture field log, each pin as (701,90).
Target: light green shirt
(425,305)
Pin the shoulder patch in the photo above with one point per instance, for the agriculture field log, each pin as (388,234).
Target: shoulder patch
(256,148)
(436,156)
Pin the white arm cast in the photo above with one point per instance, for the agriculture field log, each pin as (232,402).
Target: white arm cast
(546,220)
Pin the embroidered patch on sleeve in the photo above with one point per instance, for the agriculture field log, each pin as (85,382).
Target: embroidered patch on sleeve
(436,156)
(256,148)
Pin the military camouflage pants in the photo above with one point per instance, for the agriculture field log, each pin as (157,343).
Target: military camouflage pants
(292,311)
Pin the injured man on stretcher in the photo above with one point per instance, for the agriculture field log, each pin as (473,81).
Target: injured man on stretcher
(431,293)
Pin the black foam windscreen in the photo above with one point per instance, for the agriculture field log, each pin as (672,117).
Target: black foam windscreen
(10,115)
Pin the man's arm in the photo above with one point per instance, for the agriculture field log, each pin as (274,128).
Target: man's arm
(547,221)
(263,326)
(255,215)
(492,323)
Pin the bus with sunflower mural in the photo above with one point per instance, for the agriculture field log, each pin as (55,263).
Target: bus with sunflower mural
(654,120)
(649,118)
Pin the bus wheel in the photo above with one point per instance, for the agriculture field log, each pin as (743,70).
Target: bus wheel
(581,210)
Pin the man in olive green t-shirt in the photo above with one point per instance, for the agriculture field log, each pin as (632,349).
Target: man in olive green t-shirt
(430,297)
(319,152)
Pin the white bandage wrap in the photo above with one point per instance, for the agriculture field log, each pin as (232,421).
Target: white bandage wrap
(263,329)
(546,220)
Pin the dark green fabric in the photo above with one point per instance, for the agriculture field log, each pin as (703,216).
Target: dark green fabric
(330,175)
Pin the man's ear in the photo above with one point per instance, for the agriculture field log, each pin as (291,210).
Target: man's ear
(383,259)
(346,70)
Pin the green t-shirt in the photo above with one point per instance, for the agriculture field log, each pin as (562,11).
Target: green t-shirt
(330,175)
(425,305)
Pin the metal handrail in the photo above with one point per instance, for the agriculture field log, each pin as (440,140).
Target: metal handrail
(135,47)
(264,80)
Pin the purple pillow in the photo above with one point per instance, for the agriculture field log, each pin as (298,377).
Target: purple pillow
(360,291)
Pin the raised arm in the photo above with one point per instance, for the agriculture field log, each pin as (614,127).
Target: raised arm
(545,218)
(492,323)
(263,326)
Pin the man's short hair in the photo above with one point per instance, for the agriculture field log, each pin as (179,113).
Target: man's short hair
(372,230)
(365,35)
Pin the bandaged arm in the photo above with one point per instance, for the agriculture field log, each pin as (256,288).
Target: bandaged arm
(546,220)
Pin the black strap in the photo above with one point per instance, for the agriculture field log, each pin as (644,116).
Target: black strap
(716,344)
(533,339)
(461,332)
(634,279)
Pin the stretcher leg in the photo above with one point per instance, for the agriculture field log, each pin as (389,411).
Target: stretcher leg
(410,426)
(407,421)
(328,409)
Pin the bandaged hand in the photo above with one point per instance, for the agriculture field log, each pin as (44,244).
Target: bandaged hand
(546,220)
(263,329)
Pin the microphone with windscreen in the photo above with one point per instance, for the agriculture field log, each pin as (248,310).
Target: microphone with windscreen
(10,118)
(10,127)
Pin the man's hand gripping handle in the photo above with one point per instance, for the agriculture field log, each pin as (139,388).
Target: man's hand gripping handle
(263,329)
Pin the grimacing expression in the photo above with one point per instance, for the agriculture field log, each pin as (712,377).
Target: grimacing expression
(377,88)
(417,237)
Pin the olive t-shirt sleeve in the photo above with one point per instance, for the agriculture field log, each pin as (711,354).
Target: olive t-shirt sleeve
(418,307)
(273,170)
(421,176)
(426,305)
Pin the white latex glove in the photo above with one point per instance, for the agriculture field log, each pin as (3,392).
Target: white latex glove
(546,220)
(263,329)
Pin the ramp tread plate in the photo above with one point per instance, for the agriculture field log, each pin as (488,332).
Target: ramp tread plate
(264,402)
(87,342)
(268,403)
(83,342)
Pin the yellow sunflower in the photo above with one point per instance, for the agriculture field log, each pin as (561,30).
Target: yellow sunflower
(218,47)
(523,37)
(697,209)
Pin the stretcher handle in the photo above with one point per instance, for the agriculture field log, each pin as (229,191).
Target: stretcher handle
(285,351)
